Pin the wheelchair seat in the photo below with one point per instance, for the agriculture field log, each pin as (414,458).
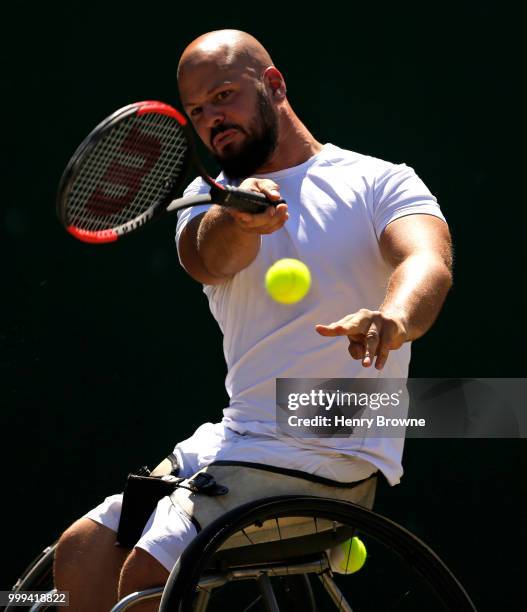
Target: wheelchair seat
(292,549)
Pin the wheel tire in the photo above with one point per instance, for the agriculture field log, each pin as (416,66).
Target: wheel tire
(184,578)
(38,576)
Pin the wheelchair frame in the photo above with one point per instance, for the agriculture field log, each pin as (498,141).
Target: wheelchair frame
(189,586)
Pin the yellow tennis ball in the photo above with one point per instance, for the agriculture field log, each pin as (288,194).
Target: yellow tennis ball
(348,557)
(288,280)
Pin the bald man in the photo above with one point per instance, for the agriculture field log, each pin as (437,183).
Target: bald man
(380,255)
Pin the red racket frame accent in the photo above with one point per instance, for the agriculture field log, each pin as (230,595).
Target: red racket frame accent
(153,106)
(93,237)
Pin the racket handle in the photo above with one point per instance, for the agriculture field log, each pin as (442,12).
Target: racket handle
(247,201)
(189,201)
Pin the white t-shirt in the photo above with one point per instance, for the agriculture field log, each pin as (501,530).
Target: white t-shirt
(339,203)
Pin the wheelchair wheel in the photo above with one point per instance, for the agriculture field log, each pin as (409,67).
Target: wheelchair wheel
(281,538)
(38,576)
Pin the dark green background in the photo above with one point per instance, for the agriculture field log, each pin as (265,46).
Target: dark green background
(109,355)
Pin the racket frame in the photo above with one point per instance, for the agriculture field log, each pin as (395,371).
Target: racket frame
(158,207)
(220,194)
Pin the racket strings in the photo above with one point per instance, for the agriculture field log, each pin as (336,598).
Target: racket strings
(143,201)
(91,179)
(129,171)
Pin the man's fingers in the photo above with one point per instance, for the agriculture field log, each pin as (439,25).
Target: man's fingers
(382,356)
(337,328)
(281,210)
(272,193)
(273,228)
(356,324)
(333,329)
(240,216)
(356,349)
(276,215)
(270,224)
(266,222)
(266,186)
(371,344)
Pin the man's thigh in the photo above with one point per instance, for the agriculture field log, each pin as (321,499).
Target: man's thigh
(167,533)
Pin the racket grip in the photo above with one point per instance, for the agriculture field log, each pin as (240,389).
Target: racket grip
(246,201)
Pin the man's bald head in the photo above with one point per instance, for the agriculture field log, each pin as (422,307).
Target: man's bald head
(233,95)
(226,49)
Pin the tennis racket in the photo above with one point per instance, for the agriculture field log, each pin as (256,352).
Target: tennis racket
(130,168)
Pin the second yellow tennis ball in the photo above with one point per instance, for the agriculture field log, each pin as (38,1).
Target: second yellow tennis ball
(348,557)
(288,280)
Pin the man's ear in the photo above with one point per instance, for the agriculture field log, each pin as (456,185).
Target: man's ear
(273,79)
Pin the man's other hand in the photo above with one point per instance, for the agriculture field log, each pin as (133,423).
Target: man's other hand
(371,333)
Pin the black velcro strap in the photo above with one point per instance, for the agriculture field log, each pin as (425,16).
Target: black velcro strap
(140,497)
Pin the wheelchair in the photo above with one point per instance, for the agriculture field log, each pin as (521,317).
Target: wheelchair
(271,555)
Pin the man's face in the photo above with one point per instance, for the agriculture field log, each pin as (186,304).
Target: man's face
(233,116)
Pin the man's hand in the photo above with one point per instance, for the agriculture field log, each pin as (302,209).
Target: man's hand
(270,220)
(370,333)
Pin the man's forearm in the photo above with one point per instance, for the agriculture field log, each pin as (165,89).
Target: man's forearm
(223,247)
(417,290)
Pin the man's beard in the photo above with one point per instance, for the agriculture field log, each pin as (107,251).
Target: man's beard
(257,148)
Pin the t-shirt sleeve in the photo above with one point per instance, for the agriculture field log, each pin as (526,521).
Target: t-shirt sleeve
(399,192)
(198,186)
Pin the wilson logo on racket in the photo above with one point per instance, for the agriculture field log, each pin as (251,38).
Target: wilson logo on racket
(130,177)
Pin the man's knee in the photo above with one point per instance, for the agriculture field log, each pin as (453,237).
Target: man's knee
(85,533)
(88,565)
(141,571)
(82,544)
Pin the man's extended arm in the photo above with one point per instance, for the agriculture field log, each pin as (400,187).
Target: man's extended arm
(216,245)
(420,250)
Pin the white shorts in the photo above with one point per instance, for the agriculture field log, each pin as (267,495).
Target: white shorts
(168,530)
